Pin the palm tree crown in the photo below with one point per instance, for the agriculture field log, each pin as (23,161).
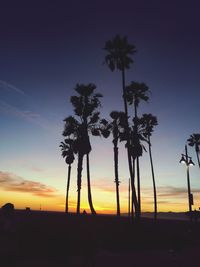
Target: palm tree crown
(148,122)
(194,140)
(86,102)
(117,127)
(74,130)
(67,150)
(135,92)
(119,51)
(137,137)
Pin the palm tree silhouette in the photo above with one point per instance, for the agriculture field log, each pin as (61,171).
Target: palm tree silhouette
(149,122)
(68,154)
(119,57)
(194,140)
(135,92)
(85,105)
(116,127)
(74,130)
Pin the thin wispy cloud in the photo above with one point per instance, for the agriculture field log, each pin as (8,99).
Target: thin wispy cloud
(165,194)
(13,183)
(174,192)
(170,191)
(26,115)
(14,111)
(10,87)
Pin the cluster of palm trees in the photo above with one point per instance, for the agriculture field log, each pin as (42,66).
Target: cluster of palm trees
(76,133)
(123,126)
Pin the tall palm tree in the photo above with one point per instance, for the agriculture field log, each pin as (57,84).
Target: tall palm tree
(194,140)
(85,106)
(116,127)
(68,154)
(135,93)
(119,57)
(149,122)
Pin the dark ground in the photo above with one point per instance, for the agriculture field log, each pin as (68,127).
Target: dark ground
(54,239)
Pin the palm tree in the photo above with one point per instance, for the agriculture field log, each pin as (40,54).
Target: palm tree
(137,148)
(119,57)
(116,127)
(85,105)
(73,130)
(194,140)
(68,154)
(135,92)
(149,122)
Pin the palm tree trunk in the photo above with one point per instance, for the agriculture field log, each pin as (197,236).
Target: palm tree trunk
(116,178)
(132,174)
(67,191)
(79,179)
(89,186)
(138,167)
(129,197)
(124,93)
(138,185)
(133,165)
(134,197)
(198,158)
(153,179)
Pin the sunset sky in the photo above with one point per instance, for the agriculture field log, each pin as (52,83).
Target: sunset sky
(46,49)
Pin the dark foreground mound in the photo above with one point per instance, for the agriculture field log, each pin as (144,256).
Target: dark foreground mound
(56,239)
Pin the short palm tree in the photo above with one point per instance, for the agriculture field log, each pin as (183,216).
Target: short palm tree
(119,53)
(135,93)
(73,130)
(85,106)
(68,155)
(115,127)
(149,122)
(194,140)
(137,148)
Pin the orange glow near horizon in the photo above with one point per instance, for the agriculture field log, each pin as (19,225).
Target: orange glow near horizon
(104,202)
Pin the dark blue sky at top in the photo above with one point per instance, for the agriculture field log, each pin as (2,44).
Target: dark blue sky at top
(47,48)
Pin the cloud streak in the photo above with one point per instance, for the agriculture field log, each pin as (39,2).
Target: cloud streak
(11,182)
(172,191)
(165,194)
(26,115)
(108,185)
(14,111)
(10,87)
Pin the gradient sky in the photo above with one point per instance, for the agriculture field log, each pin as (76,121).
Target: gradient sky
(46,49)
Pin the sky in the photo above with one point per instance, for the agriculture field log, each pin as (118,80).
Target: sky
(46,49)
